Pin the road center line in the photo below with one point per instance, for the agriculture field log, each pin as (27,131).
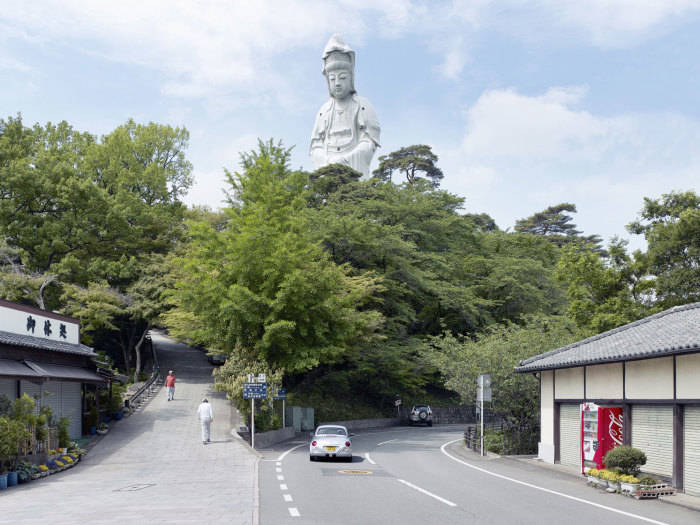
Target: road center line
(293,511)
(283,486)
(369,458)
(384,442)
(287,497)
(574,498)
(282,456)
(415,487)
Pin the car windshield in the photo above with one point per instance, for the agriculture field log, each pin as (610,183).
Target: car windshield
(331,431)
(420,407)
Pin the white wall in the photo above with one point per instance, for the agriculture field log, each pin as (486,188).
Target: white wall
(649,378)
(688,376)
(568,383)
(546,444)
(604,381)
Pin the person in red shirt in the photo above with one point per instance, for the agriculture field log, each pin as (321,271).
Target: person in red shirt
(170,383)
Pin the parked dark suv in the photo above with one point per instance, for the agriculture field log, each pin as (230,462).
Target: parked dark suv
(421,414)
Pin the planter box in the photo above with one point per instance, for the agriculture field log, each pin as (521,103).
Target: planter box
(614,485)
(654,491)
(592,480)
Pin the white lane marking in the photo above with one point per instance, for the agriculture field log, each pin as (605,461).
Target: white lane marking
(370,459)
(294,512)
(287,497)
(283,455)
(383,442)
(415,487)
(279,463)
(580,500)
(278,469)
(283,486)
(280,478)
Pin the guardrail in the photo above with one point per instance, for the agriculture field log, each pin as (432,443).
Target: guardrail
(149,387)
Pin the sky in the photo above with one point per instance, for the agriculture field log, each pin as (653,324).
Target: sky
(527,103)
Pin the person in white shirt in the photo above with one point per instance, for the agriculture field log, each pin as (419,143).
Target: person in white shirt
(206,416)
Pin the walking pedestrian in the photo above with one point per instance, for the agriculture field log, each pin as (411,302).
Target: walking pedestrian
(170,383)
(206,416)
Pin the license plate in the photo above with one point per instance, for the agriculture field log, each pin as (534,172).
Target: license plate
(330,449)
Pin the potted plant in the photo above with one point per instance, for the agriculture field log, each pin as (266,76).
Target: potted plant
(593,476)
(628,484)
(92,419)
(614,481)
(26,471)
(63,436)
(102,429)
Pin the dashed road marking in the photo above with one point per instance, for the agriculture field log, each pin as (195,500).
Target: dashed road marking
(415,487)
(369,458)
(278,469)
(294,512)
(287,497)
(536,487)
(280,478)
(283,486)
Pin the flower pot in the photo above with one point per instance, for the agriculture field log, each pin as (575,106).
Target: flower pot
(592,480)
(12,479)
(628,488)
(118,416)
(93,431)
(3,481)
(615,485)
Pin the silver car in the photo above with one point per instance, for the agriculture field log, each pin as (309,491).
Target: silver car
(330,441)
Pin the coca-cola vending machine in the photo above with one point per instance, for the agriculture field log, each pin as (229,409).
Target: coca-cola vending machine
(601,430)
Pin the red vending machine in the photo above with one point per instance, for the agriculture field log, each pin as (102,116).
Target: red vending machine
(601,430)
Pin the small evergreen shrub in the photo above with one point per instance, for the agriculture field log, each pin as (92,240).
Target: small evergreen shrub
(628,459)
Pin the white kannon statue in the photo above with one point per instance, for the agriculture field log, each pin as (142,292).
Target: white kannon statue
(346,129)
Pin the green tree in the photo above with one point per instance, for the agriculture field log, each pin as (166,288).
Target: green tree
(604,293)
(556,224)
(671,226)
(415,162)
(497,351)
(263,289)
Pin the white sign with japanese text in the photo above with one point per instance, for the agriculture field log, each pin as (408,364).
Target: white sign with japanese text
(35,323)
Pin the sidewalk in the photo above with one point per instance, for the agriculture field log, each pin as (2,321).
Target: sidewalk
(152,466)
(680,499)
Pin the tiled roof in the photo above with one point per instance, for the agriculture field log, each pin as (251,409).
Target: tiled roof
(28,341)
(673,331)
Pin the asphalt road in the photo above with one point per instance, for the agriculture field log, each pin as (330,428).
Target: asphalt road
(424,475)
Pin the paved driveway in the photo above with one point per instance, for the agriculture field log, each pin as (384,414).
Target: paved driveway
(152,466)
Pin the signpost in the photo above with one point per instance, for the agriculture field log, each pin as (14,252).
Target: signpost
(483,393)
(253,391)
(397,404)
(281,395)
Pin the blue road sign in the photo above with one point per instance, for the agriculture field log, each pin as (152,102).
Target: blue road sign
(254,390)
(281,394)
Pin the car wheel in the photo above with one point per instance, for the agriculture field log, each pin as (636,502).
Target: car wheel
(423,415)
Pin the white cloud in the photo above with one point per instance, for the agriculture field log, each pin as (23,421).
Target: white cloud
(204,48)
(522,153)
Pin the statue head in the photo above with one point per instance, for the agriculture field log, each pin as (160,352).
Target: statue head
(338,68)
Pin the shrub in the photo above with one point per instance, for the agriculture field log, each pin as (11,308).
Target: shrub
(648,480)
(594,472)
(628,459)
(63,437)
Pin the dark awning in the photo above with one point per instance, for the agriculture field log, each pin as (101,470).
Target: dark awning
(9,367)
(46,371)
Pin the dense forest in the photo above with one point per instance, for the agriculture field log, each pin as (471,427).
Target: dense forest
(347,292)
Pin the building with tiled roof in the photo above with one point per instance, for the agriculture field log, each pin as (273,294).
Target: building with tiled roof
(638,385)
